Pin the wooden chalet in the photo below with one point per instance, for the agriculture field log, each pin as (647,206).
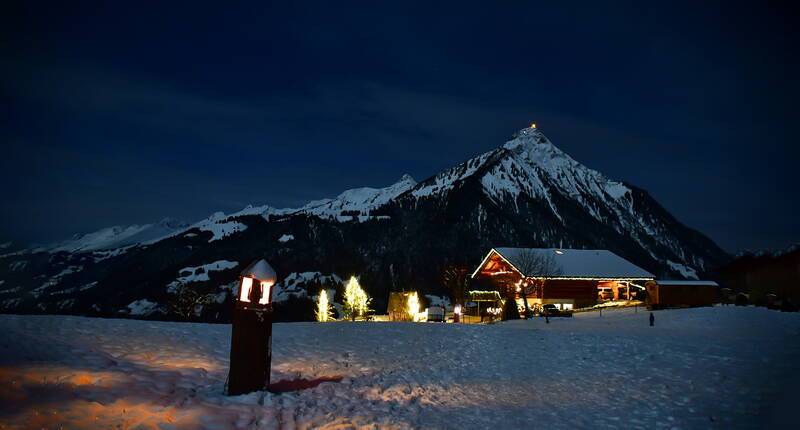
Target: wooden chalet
(567,278)
(666,293)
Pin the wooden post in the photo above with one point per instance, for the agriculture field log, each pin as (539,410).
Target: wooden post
(251,351)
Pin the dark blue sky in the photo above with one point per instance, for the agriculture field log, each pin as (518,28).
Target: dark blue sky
(124,114)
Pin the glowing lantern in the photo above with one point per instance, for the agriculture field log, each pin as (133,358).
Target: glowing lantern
(457,313)
(251,337)
(256,288)
(533,125)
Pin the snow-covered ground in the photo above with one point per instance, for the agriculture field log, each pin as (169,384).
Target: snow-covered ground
(722,367)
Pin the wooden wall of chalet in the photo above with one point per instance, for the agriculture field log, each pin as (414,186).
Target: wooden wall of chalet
(584,292)
(665,296)
(398,309)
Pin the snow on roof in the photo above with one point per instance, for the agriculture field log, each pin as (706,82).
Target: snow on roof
(580,263)
(260,270)
(674,282)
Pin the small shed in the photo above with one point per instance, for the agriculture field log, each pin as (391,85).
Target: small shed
(669,293)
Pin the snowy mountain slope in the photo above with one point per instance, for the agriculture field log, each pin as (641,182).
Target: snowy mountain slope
(524,193)
(117,237)
(354,204)
(357,201)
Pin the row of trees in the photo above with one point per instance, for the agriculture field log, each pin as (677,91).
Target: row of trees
(185,301)
(355,302)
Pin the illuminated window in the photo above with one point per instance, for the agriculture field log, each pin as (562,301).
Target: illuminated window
(247,285)
(265,291)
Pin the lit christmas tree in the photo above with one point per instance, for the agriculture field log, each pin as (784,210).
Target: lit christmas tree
(323,307)
(356,300)
(413,306)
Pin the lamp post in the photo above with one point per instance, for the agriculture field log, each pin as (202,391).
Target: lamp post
(251,336)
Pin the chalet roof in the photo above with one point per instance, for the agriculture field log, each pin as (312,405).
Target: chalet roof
(260,270)
(691,282)
(577,263)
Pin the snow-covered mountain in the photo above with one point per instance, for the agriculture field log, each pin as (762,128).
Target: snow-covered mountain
(526,192)
(117,237)
(529,168)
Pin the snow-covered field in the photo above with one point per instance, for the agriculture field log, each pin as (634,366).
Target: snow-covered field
(722,367)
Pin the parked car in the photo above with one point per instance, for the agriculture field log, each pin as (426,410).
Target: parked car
(551,310)
(436,313)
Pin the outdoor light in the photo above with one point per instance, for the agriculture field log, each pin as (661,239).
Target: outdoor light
(256,287)
(533,125)
(251,336)
(266,292)
(457,310)
(244,291)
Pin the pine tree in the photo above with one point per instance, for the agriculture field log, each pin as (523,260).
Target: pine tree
(323,307)
(356,300)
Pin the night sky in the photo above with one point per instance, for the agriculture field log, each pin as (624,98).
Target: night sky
(121,114)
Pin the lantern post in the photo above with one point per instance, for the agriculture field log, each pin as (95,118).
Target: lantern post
(251,336)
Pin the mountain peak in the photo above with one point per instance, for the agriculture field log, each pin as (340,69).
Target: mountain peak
(406,178)
(531,131)
(529,138)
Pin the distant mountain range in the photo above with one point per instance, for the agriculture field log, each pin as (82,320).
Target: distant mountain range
(526,192)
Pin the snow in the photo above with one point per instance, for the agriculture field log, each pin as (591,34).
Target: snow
(220,229)
(260,270)
(357,201)
(295,284)
(684,270)
(87,286)
(706,368)
(117,237)
(99,256)
(17,266)
(200,273)
(447,179)
(285,238)
(671,282)
(100,239)
(142,307)
(594,263)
